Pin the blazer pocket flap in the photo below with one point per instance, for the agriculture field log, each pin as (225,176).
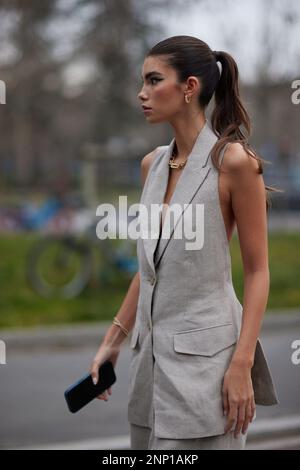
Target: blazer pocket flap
(134,338)
(205,341)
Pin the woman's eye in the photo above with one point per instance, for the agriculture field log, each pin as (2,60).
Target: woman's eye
(151,80)
(155,79)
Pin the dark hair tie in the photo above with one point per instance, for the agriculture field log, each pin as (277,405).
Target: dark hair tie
(217,55)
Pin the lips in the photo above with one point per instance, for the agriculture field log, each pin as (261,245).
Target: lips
(145,107)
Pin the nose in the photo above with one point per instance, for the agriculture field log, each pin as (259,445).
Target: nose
(141,95)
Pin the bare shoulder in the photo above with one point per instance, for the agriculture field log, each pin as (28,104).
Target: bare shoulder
(237,161)
(146,163)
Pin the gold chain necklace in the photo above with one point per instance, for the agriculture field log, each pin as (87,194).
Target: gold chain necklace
(172,163)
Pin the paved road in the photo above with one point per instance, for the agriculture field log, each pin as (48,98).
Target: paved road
(33,410)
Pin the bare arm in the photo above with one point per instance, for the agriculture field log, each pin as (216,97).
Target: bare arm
(127,312)
(114,336)
(249,206)
(248,200)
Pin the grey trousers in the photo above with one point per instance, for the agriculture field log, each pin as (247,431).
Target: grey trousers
(142,438)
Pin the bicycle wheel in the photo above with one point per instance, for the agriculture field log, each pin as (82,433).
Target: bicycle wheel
(126,258)
(59,267)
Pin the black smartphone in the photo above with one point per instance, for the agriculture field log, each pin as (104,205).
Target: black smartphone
(83,391)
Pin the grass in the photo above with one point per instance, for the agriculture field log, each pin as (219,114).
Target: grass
(284,265)
(21,307)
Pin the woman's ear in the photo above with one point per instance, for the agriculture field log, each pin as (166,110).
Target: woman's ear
(193,85)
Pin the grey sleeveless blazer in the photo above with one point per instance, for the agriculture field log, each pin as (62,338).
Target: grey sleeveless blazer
(188,316)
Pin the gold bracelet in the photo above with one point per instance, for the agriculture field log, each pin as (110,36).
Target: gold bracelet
(117,322)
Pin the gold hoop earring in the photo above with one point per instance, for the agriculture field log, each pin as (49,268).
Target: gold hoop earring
(187,98)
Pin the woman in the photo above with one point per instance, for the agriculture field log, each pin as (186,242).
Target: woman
(197,367)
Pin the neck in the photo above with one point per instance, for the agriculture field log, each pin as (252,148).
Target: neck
(186,132)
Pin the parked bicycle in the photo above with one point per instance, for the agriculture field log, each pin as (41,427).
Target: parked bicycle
(63,266)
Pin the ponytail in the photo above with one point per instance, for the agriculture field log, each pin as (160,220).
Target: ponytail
(229,115)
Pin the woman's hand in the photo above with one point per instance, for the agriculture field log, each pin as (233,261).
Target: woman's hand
(238,398)
(105,351)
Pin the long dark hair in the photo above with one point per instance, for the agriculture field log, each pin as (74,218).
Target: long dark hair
(191,56)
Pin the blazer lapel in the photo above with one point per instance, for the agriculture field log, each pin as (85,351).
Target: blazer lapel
(192,177)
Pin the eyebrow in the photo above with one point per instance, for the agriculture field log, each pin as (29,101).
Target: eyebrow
(149,74)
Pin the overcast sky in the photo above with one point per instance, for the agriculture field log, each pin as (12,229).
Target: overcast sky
(238,26)
(241,27)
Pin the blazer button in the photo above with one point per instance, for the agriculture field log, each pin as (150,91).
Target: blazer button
(152,280)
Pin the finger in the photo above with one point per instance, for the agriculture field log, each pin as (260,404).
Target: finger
(94,373)
(225,402)
(95,378)
(232,416)
(247,417)
(253,409)
(103,396)
(240,419)
(110,391)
